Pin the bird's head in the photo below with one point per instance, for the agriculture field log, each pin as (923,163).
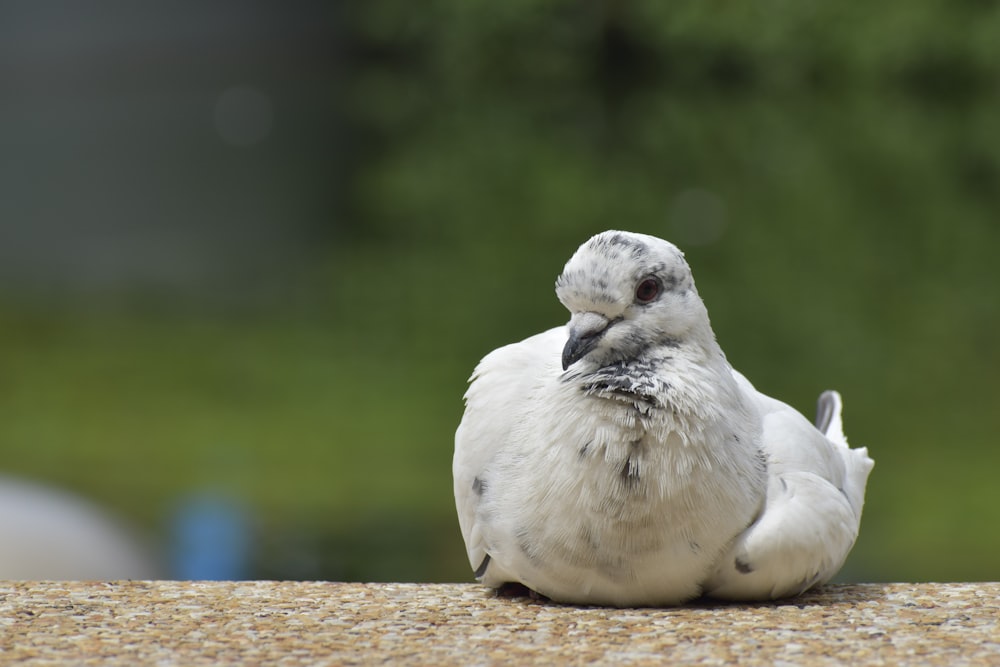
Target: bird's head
(628,294)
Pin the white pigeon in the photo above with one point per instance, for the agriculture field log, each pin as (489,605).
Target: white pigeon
(620,460)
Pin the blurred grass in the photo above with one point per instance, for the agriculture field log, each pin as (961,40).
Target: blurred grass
(333,415)
(833,174)
(287,415)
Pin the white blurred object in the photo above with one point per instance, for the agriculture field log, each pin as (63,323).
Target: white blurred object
(49,534)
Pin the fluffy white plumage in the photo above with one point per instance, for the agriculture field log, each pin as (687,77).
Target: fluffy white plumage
(620,460)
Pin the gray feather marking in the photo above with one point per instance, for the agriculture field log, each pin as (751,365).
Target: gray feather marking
(481,570)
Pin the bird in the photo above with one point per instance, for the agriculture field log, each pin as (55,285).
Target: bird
(619,460)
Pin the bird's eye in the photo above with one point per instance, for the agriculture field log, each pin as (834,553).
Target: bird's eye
(647,290)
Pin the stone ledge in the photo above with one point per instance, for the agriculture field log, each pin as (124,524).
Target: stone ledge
(291,623)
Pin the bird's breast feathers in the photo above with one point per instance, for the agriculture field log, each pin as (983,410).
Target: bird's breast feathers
(608,475)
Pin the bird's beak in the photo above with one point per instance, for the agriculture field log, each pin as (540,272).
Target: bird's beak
(585,330)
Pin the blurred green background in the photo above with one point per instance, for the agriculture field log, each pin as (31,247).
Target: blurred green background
(252,250)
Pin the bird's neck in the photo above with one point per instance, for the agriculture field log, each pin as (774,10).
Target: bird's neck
(680,385)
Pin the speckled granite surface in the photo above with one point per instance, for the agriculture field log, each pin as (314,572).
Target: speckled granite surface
(287,623)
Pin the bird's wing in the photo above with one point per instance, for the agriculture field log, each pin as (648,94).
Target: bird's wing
(810,520)
(500,390)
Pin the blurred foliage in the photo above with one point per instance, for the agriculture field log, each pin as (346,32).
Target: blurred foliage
(833,173)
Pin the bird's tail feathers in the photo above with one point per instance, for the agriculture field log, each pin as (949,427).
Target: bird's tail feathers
(828,419)
(859,466)
(857,461)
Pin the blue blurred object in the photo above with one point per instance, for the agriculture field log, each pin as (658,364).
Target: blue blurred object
(211,539)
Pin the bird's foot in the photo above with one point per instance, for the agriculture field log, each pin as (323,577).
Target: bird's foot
(513,589)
